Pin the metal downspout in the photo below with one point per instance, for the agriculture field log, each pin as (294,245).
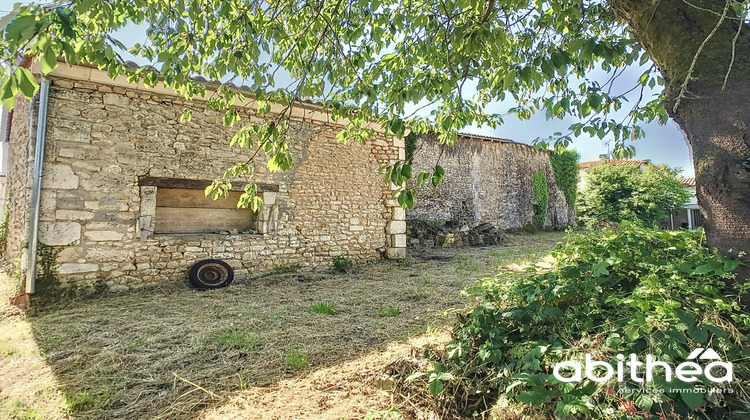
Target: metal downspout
(36,188)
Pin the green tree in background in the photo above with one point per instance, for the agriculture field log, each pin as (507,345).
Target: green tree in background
(616,193)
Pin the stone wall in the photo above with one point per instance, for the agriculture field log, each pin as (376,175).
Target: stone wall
(486,181)
(102,139)
(18,180)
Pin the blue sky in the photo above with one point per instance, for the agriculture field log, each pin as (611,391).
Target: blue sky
(662,144)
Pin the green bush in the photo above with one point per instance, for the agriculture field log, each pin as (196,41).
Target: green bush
(614,193)
(633,291)
(342,264)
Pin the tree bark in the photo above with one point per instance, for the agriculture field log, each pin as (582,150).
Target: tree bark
(715,117)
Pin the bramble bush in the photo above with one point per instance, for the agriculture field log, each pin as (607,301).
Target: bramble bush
(633,290)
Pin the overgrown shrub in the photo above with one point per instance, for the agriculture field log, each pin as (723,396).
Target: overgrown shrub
(541,198)
(632,291)
(342,264)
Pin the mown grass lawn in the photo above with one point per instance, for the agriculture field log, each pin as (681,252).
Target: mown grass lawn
(173,352)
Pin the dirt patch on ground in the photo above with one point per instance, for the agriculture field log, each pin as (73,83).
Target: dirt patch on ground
(255,347)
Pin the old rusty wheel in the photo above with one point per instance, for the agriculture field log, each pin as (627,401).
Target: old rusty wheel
(211,274)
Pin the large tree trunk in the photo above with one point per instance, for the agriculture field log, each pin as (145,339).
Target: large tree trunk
(715,119)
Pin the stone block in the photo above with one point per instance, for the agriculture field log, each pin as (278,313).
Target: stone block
(399,213)
(395,227)
(47,205)
(60,129)
(116,99)
(59,176)
(73,215)
(69,254)
(109,254)
(59,233)
(74,268)
(398,241)
(103,235)
(269,198)
(395,253)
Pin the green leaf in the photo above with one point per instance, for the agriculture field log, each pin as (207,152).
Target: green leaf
(438,175)
(10,89)
(26,83)
(21,28)
(48,61)
(436,387)
(67,19)
(643,401)
(703,269)
(536,397)
(685,317)
(699,334)
(692,399)
(600,268)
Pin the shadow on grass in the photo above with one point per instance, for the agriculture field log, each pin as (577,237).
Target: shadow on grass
(171,352)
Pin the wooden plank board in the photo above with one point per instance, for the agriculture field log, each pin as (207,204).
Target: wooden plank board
(191,220)
(195,199)
(198,184)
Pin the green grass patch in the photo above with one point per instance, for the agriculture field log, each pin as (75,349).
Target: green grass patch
(324,308)
(390,311)
(296,358)
(242,339)
(288,268)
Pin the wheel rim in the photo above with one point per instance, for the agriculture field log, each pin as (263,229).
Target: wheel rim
(212,274)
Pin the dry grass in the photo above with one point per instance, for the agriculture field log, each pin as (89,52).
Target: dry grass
(173,352)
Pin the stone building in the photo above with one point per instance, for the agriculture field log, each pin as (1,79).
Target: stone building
(487,180)
(122,184)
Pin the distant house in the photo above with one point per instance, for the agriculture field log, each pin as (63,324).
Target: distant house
(690,217)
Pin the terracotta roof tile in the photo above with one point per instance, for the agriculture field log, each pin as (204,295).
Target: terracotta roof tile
(626,162)
(688,182)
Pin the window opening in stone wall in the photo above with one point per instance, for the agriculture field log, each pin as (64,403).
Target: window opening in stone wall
(182,210)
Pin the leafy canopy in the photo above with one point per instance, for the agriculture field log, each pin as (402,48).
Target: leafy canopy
(366,60)
(614,193)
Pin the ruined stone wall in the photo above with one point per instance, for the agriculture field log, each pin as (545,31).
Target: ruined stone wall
(486,182)
(18,181)
(102,139)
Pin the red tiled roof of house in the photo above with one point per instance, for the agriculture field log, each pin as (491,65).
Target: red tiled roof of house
(627,162)
(688,182)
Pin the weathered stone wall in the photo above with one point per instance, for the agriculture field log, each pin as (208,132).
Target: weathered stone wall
(486,182)
(18,182)
(101,139)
